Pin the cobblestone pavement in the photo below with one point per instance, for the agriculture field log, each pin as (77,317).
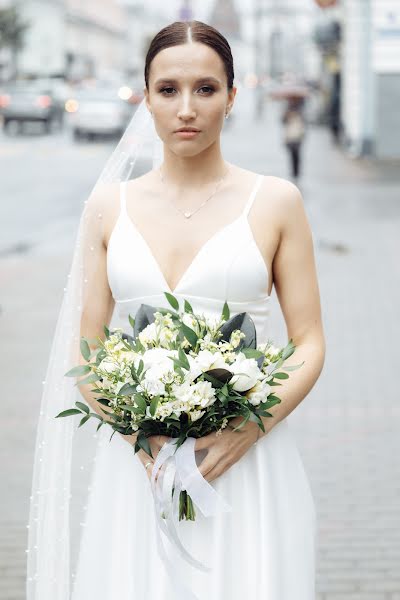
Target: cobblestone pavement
(346,428)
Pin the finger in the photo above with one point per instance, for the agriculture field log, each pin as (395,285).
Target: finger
(207,464)
(217,471)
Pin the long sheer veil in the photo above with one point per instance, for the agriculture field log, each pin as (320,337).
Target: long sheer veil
(64,454)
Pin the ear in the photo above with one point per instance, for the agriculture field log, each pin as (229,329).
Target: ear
(231,97)
(146,95)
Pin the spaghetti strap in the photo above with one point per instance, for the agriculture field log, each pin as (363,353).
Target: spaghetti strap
(122,195)
(252,195)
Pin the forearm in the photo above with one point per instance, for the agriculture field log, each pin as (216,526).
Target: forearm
(294,389)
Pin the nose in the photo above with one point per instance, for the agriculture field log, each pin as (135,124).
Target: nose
(186,110)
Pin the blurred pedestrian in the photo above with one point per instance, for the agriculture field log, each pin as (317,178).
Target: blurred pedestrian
(294,131)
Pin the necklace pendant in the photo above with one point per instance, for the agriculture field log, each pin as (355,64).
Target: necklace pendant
(187,214)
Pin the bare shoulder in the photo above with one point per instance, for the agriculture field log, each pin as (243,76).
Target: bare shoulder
(277,198)
(284,194)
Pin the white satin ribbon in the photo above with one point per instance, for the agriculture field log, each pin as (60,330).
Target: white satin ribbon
(181,473)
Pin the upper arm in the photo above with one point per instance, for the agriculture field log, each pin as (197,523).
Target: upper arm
(97,299)
(295,276)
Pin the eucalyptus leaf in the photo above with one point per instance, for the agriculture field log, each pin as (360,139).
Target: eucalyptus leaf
(292,367)
(144,316)
(90,379)
(127,390)
(141,402)
(83,420)
(131,321)
(83,407)
(281,375)
(85,350)
(106,331)
(79,370)
(69,412)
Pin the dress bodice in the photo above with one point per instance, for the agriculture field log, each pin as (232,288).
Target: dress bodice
(228,266)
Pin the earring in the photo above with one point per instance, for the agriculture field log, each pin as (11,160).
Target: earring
(226,115)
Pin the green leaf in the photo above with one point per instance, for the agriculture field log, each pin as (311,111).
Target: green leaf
(293,367)
(90,379)
(140,366)
(127,390)
(69,412)
(96,416)
(79,370)
(153,405)
(103,401)
(187,307)
(141,402)
(225,311)
(143,442)
(85,350)
(106,331)
(281,375)
(183,359)
(189,334)
(83,420)
(172,300)
(131,321)
(288,350)
(83,407)
(272,397)
(252,352)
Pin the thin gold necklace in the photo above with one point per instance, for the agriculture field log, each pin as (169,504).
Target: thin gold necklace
(187,213)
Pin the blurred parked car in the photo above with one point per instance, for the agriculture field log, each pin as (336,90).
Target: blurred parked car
(97,111)
(27,101)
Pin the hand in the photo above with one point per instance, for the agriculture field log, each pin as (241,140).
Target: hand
(156,443)
(224,449)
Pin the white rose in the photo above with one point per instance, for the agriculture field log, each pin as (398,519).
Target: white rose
(207,360)
(196,414)
(204,393)
(154,387)
(148,334)
(249,373)
(258,393)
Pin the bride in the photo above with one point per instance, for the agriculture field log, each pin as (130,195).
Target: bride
(207,230)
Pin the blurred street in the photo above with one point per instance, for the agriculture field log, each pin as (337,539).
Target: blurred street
(347,428)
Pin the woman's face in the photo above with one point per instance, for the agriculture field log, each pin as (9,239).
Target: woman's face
(188,88)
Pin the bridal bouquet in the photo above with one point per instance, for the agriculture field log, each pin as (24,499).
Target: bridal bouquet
(181,375)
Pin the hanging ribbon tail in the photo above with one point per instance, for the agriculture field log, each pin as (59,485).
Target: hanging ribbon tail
(176,470)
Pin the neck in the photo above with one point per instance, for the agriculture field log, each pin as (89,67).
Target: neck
(190,171)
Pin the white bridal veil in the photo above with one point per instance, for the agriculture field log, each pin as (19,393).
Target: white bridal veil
(65,454)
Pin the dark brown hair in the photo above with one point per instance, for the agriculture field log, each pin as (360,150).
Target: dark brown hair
(177,33)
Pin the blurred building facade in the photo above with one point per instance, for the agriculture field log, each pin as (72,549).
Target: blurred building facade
(371,77)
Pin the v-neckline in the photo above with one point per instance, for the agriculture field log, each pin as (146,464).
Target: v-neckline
(185,273)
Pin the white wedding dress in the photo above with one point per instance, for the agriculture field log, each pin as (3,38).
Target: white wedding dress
(264,549)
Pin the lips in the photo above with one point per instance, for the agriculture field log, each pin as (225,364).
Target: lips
(187,129)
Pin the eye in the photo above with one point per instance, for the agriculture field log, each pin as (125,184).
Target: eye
(207,87)
(162,90)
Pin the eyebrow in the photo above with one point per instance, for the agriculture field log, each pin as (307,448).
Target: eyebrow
(199,80)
